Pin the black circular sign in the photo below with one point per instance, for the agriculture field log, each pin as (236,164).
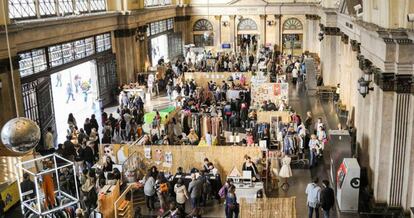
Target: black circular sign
(355,183)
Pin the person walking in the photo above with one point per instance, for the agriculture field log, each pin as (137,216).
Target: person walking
(313,201)
(69,93)
(58,79)
(49,141)
(327,198)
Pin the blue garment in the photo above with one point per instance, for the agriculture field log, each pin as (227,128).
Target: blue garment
(232,207)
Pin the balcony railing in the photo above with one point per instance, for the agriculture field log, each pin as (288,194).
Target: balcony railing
(35,9)
(156,3)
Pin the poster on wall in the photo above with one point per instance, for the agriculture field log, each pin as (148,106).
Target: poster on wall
(147,153)
(158,156)
(168,159)
(270,92)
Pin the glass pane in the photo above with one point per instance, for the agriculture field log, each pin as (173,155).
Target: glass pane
(89,46)
(67,50)
(55,55)
(80,49)
(98,5)
(21,9)
(47,7)
(65,6)
(25,64)
(39,60)
(107,41)
(82,5)
(100,43)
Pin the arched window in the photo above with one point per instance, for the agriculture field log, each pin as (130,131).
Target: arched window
(292,24)
(247,24)
(203,33)
(202,25)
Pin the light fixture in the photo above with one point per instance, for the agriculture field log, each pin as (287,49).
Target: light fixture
(225,23)
(270,22)
(358,10)
(410,17)
(140,34)
(365,80)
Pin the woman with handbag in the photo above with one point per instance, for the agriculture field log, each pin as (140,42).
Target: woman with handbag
(232,207)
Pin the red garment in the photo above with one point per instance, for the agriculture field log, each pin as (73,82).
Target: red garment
(49,190)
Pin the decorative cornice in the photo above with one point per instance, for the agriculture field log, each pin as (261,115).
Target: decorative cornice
(277,16)
(388,40)
(385,80)
(404,41)
(312,17)
(124,33)
(182,18)
(332,31)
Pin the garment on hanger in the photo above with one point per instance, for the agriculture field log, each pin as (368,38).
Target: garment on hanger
(49,190)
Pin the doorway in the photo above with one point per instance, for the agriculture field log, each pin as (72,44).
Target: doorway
(75,90)
(248,43)
(292,44)
(159,48)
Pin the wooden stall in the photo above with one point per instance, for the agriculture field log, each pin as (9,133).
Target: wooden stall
(169,158)
(202,78)
(269,208)
(266,116)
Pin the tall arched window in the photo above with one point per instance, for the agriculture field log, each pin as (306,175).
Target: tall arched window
(292,24)
(247,24)
(203,33)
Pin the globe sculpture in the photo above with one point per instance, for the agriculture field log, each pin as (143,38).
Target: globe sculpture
(20,135)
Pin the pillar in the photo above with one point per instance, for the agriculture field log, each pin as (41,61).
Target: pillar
(217,31)
(262,28)
(328,55)
(278,35)
(125,43)
(233,29)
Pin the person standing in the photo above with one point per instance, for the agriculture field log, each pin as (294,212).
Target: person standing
(181,195)
(195,189)
(232,207)
(69,93)
(2,206)
(58,80)
(49,142)
(313,192)
(327,198)
(149,191)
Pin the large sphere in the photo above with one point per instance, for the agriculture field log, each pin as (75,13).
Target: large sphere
(20,135)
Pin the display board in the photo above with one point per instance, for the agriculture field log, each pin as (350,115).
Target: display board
(269,208)
(270,92)
(169,158)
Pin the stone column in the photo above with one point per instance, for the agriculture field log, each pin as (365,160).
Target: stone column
(217,31)
(328,56)
(233,30)
(399,136)
(307,41)
(278,31)
(262,28)
(125,42)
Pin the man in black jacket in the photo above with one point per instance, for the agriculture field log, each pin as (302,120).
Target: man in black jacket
(327,198)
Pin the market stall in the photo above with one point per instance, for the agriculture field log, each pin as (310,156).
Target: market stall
(202,78)
(270,92)
(269,208)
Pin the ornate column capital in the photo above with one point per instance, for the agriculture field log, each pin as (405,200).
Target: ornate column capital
(312,17)
(344,38)
(403,83)
(263,16)
(355,46)
(217,17)
(332,31)
(277,16)
(232,17)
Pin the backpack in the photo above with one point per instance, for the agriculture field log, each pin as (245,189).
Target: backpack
(222,191)
(163,187)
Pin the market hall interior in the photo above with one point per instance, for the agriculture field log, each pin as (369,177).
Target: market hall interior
(206,108)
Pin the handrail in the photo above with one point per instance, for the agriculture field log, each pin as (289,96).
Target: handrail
(130,187)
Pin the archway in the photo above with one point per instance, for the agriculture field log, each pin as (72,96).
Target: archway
(247,35)
(292,37)
(203,33)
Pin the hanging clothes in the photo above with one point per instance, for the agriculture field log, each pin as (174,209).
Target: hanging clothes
(49,190)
